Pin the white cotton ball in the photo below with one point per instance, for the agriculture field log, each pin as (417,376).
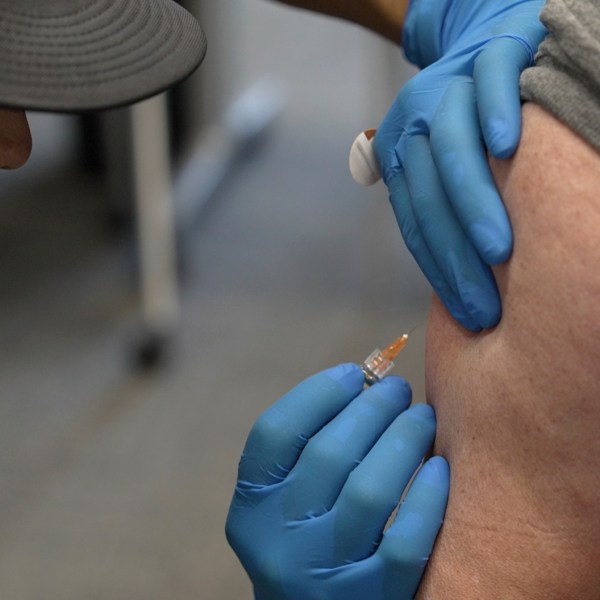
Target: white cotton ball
(363,162)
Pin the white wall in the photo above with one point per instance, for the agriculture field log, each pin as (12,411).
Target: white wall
(250,39)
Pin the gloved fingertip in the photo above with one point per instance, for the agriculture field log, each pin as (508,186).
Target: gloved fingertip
(500,138)
(347,374)
(482,301)
(469,324)
(503,150)
(493,244)
(456,309)
(488,319)
(422,411)
(436,473)
(396,382)
(398,387)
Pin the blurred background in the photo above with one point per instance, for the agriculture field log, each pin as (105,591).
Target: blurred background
(121,421)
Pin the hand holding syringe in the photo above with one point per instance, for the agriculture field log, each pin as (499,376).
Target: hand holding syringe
(321,473)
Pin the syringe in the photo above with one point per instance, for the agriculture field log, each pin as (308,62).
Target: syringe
(380,362)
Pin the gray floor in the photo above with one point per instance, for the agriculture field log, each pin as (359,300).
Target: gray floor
(115,485)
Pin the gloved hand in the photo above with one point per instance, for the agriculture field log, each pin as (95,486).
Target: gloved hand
(432,144)
(320,475)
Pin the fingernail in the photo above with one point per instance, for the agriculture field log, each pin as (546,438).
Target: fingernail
(347,374)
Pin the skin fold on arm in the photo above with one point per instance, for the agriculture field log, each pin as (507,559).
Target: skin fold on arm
(518,407)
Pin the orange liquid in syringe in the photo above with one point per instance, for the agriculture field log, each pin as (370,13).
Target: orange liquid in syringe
(395,347)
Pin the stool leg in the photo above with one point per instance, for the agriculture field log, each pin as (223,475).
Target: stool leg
(155,217)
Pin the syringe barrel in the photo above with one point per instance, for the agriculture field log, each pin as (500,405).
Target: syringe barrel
(376,366)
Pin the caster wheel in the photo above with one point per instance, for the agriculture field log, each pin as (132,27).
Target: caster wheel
(151,351)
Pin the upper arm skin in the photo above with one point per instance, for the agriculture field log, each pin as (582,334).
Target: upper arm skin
(518,407)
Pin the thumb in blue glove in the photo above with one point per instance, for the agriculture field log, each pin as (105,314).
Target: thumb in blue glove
(321,473)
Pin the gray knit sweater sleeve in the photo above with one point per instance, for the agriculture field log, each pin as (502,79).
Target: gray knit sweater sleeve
(566,77)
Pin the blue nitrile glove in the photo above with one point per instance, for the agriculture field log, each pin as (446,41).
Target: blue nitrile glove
(320,475)
(432,144)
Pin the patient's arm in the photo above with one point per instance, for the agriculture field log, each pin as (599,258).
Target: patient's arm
(384,17)
(518,407)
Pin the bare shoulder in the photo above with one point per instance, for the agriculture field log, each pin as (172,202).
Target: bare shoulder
(551,285)
(517,406)
(553,163)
